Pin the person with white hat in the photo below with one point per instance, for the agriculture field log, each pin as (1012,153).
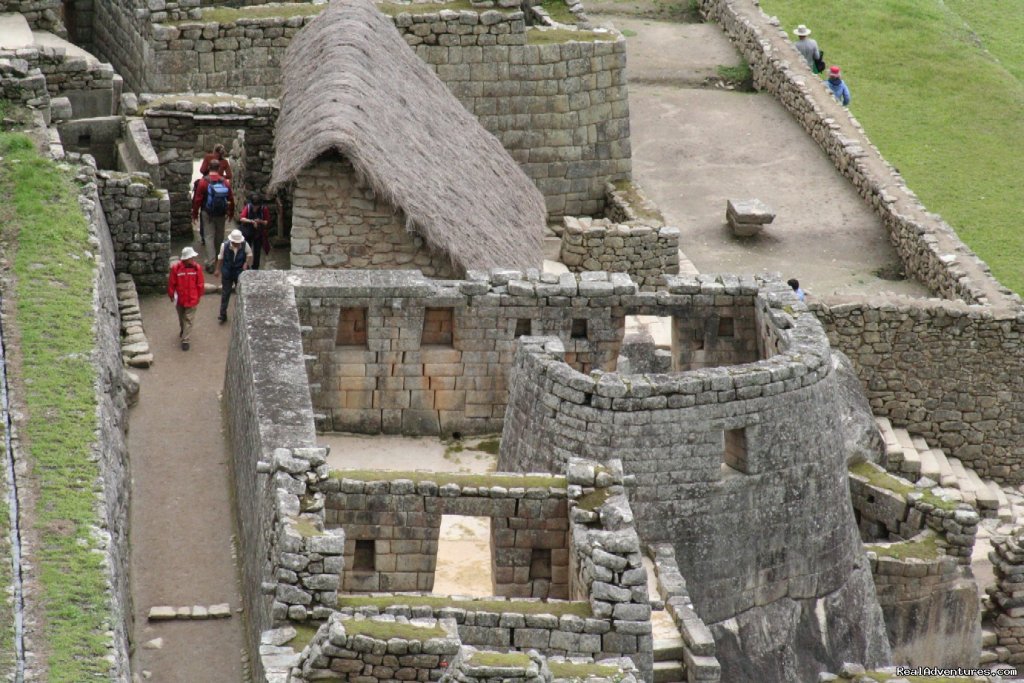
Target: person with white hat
(808,47)
(185,288)
(235,257)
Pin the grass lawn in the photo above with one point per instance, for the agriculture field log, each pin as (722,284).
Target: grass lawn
(45,237)
(937,85)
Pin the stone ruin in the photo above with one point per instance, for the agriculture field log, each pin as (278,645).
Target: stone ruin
(722,456)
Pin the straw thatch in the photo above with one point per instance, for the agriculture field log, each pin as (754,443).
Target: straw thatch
(352,85)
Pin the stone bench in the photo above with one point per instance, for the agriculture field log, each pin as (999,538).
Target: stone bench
(746,217)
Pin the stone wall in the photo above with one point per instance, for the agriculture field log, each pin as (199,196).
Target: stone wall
(944,370)
(726,452)
(111,447)
(135,153)
(139,216)
(23,83)
(646,253)
(184,129)
(120,34)
(379,650)
(401,518)
(267,407)
(340,222)
(464,28)
(41,15)
(90,86)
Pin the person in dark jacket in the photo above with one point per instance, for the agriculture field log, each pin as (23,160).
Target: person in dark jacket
(185,287)
(219,154)
(235,258)
(837,87)
(254,223)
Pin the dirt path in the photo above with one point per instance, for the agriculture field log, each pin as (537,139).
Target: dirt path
(695,147)
(182,511)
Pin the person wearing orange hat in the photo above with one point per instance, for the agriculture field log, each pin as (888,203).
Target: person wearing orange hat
(837,87)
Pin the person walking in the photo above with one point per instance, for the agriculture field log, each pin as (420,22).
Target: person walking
(837,87)
(235,258)
(219,154)
(213,196)
(185,287)
(808,47)
(795,285)
(255,225)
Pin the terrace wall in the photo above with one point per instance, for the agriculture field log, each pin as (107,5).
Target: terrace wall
(140,226)
(89,85)
(646,253)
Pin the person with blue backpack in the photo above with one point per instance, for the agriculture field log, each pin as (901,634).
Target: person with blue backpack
(213,196)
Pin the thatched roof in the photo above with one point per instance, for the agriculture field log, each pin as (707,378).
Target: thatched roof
(352,85)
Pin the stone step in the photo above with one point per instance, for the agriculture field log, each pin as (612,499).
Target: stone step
(668,672)
(988,638)
(911,458)
(946,476)
(893,450)
(668,649)
(1005,513)
(962,482)
(988,503)
(929,465)
(686,266)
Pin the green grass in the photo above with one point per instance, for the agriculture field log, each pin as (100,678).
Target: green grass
(491,446)
(304,633)
(7,658)
(395,8)
(382,630)
(554,36)
(937,85)
(882,480)
(580,609)
(42,226)
(442,478)
(739,75)
(504,659)
(593,500)
(559,11)
(583,671)
(922,547)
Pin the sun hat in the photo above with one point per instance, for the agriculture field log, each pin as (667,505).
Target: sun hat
(236,236)
(187,253)
(834,70)
(802,31)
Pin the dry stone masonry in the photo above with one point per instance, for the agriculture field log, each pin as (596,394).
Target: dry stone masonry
(646,253)
(139,216)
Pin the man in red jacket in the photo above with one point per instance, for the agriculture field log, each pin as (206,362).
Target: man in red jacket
(185,288)
(213,196)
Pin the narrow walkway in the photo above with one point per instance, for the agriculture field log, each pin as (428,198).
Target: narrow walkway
(182,511)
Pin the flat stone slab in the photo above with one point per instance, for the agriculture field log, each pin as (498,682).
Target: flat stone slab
(746,217)
(162,613)
(14,32)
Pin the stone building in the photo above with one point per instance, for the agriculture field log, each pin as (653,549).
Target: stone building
(387,169)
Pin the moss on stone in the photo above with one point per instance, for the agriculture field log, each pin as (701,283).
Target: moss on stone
(644,211)
(593,500)
(442,478)
(574,670)
(535,36)
(383,630)
(580,609)
(490,446)
(304,633)
(923,547)
(306,528)
(227,15)
(197,99)
(395,8)
(882,480)
(503,659)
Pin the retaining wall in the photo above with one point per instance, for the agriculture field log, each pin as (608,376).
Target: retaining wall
(140,226)
(90,86)
(41,15)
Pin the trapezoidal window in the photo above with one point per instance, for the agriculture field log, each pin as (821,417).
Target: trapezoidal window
(365,559)
(579,328)
(734,453)
(726,327)
(351,327)
(523,327)
(540,563)
(438,325)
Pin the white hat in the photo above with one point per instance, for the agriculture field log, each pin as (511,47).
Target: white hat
(187,253)
(236,236)
(802,31)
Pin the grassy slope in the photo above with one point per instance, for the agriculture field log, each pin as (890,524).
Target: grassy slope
(45,234)
(942,108)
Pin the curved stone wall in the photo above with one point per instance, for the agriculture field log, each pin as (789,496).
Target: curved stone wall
(741,468)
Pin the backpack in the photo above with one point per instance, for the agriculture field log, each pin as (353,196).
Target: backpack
(217,195)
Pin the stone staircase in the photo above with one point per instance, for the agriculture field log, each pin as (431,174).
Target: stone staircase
(912,458)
